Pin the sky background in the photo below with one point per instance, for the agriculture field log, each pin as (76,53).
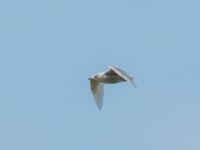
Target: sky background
(49,49)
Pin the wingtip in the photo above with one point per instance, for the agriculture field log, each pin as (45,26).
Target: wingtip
(99,102)
(99,106)
(134,84)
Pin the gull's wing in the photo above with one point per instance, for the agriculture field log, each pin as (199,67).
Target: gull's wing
(122,74)
(97,91)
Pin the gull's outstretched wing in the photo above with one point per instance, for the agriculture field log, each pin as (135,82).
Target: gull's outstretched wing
(97,91)
(122,74)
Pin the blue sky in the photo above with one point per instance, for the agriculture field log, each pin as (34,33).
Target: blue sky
(48,49)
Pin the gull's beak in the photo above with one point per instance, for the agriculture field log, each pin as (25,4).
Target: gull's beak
(89,78)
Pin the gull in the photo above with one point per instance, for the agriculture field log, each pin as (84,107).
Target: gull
(113,75)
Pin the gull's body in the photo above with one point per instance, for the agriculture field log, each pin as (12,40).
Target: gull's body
(113,75)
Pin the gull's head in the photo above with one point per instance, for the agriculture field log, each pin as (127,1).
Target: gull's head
(97,76)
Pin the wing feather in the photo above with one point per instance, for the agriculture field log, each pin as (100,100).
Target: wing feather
(122,74)
(97,91)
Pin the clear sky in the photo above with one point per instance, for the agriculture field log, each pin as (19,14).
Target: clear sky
(49,48)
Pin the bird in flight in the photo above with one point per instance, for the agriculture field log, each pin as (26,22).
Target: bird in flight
(113,75)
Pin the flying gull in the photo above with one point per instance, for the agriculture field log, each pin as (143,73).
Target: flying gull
(113,75)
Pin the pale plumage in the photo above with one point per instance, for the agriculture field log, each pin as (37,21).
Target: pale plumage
(113,75)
